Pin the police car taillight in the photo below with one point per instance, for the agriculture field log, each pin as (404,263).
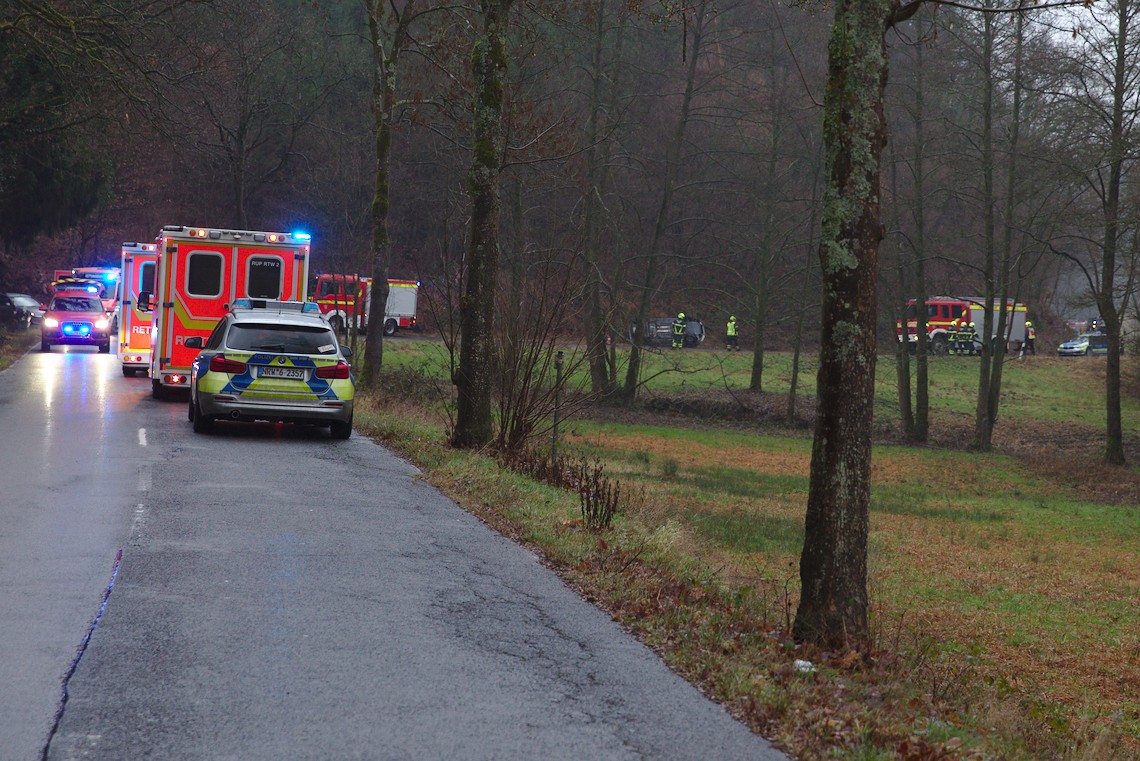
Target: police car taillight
(339,371)
(219,364)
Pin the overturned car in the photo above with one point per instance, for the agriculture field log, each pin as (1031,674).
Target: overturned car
(659,332)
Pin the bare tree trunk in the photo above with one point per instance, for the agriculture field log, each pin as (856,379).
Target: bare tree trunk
(1106,300)
(983,425)
(765,256)
(833,607)
(672,161)
(920,430)
(1007,243)
(597,161)
(473,424)
(793,385)
(902,343)
(388,33)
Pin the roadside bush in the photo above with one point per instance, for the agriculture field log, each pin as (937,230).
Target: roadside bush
(599,495)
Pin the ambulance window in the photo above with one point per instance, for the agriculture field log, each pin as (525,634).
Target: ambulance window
(204,274)
(264,277)
(146,277)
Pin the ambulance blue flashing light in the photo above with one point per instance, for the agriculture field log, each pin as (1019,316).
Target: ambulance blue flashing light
(92,289)
(302,236)
(111,276)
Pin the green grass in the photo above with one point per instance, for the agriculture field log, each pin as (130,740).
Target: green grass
(1042,389)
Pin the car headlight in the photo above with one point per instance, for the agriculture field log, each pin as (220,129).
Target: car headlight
(102,324)
(51,322)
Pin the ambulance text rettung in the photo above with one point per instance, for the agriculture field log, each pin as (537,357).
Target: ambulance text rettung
(201,271)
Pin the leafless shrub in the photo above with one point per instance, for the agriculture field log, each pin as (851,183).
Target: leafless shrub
(599,495)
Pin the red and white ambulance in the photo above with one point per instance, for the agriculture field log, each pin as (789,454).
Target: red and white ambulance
(201,270)
(138,268)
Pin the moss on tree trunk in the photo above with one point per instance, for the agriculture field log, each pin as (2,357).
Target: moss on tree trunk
(833,609)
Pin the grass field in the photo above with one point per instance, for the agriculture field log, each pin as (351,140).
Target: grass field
(1005,586)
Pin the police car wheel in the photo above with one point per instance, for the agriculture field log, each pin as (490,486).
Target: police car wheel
(339,430)
(202,424)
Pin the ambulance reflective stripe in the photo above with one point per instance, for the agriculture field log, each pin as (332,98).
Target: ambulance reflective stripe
(182,312)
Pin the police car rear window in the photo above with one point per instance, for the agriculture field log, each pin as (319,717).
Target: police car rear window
(287,339)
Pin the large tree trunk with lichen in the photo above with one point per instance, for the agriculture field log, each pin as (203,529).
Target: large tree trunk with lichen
(473,425)
(833,607)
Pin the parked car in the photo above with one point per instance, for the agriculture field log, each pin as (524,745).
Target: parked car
(12,316)
(75,318)
(660,332)
(32,308)
(272,360)
(1094,342)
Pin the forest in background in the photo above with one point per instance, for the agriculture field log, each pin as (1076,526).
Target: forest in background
(672,158)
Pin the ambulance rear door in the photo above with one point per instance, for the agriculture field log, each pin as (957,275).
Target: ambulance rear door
(139,271)
(197,285)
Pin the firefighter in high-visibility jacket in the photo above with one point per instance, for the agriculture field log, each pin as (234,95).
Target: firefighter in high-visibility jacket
(967,338)
(679,331)
(1030,338)
(952,337)
(732,333)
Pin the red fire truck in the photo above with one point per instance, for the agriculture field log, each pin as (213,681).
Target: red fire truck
(340,298)
(139,266)
(942,310)
(201,270)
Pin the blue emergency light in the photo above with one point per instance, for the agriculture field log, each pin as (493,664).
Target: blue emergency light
(111,276)
(92,289)
(302,236)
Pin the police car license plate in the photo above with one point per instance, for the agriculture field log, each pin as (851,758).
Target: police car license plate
(273,371)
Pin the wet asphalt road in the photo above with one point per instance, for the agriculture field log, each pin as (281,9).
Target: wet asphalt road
(284,596)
